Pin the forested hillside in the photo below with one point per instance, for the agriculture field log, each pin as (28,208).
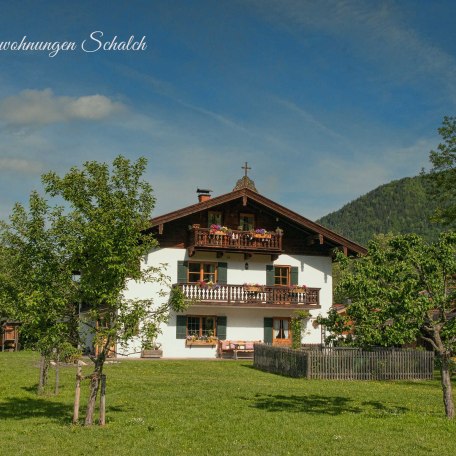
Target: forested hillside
(399,207)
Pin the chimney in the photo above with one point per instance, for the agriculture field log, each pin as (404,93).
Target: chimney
(203,195)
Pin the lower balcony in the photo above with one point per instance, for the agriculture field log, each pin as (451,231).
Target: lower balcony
(242,296)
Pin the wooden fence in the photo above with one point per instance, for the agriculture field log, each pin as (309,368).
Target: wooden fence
(346,363)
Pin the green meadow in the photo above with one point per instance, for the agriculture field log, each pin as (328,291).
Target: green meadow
(169,407)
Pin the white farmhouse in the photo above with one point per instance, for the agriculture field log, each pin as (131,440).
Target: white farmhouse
(248,264)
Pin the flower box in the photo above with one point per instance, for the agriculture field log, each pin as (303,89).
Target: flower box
(191,343)
(298,290)
(253,289)
(151,353)
(262,236)
(219,233)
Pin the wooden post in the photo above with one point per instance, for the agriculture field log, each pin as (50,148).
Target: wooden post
(103,401)
(57,374)
(77,394)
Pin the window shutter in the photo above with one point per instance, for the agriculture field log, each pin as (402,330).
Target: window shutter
(181,326)
(221,328)
(267,330)
(270,275)
(222,269)
(294,275)
(182,267)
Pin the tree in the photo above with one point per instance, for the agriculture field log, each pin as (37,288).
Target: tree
(36,286)
(403,289)
(107,226)
(443,174)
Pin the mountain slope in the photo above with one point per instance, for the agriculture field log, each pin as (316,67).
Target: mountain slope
(400,207)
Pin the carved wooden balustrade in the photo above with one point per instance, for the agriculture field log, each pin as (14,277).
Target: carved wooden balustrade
(235,240)
(238,295)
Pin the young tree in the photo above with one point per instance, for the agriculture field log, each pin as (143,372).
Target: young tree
(108,223)
(36,283)
(443,174)
(402,290)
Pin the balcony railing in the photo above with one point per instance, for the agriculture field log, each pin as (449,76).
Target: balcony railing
(239,295)
(236,240)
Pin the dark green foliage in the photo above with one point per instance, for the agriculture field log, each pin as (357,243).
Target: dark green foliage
(400,207)
(296,327)
(442,178)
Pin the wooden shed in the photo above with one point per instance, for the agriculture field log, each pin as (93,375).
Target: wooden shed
(9,335)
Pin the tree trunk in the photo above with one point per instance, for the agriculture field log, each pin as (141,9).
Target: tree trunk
(95,383)
(446,385)
(93,393)
(44,369)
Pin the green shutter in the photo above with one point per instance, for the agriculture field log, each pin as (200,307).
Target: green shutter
(270,275)
(181,326)
(182,267)
(222,278)
(267,330)
(221,328)
(294,275)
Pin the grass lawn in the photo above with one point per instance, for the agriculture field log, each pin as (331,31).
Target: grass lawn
(221,408)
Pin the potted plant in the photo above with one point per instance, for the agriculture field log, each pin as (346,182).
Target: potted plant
(150,348)
(298,288)
(262,234)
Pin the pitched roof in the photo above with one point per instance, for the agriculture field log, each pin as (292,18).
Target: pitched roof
(245,193)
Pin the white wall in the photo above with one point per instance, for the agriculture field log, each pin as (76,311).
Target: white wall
(242,323)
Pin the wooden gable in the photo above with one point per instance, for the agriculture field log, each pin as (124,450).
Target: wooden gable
(300,235)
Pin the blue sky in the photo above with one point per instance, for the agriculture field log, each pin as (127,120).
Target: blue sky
(325,99)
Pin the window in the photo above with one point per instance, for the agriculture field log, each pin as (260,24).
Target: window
(200,326)
(202,271)
(247,222)
(282,275)
(281,329)
(214,218)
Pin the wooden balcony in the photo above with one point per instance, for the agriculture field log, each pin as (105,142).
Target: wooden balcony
(235,241)
(239,296)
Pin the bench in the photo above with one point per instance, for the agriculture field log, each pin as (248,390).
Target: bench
(236,348)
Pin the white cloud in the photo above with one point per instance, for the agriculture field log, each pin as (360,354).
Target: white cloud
(41,107)
(20,165)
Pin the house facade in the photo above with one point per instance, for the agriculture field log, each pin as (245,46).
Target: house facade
(246,264)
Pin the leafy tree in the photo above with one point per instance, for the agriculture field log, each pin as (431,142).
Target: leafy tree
(107,225)
(402,290)
(443,174)
(36,286)
(7,288)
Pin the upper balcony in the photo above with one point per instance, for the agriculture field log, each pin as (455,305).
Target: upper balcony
(252,296)
(235,241)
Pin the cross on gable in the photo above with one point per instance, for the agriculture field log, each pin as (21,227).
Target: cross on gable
(246,168)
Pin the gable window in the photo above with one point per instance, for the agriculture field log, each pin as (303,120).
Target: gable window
(214,218)
(202,271)
(246,222)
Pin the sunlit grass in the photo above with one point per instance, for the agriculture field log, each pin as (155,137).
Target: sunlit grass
(221,408)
